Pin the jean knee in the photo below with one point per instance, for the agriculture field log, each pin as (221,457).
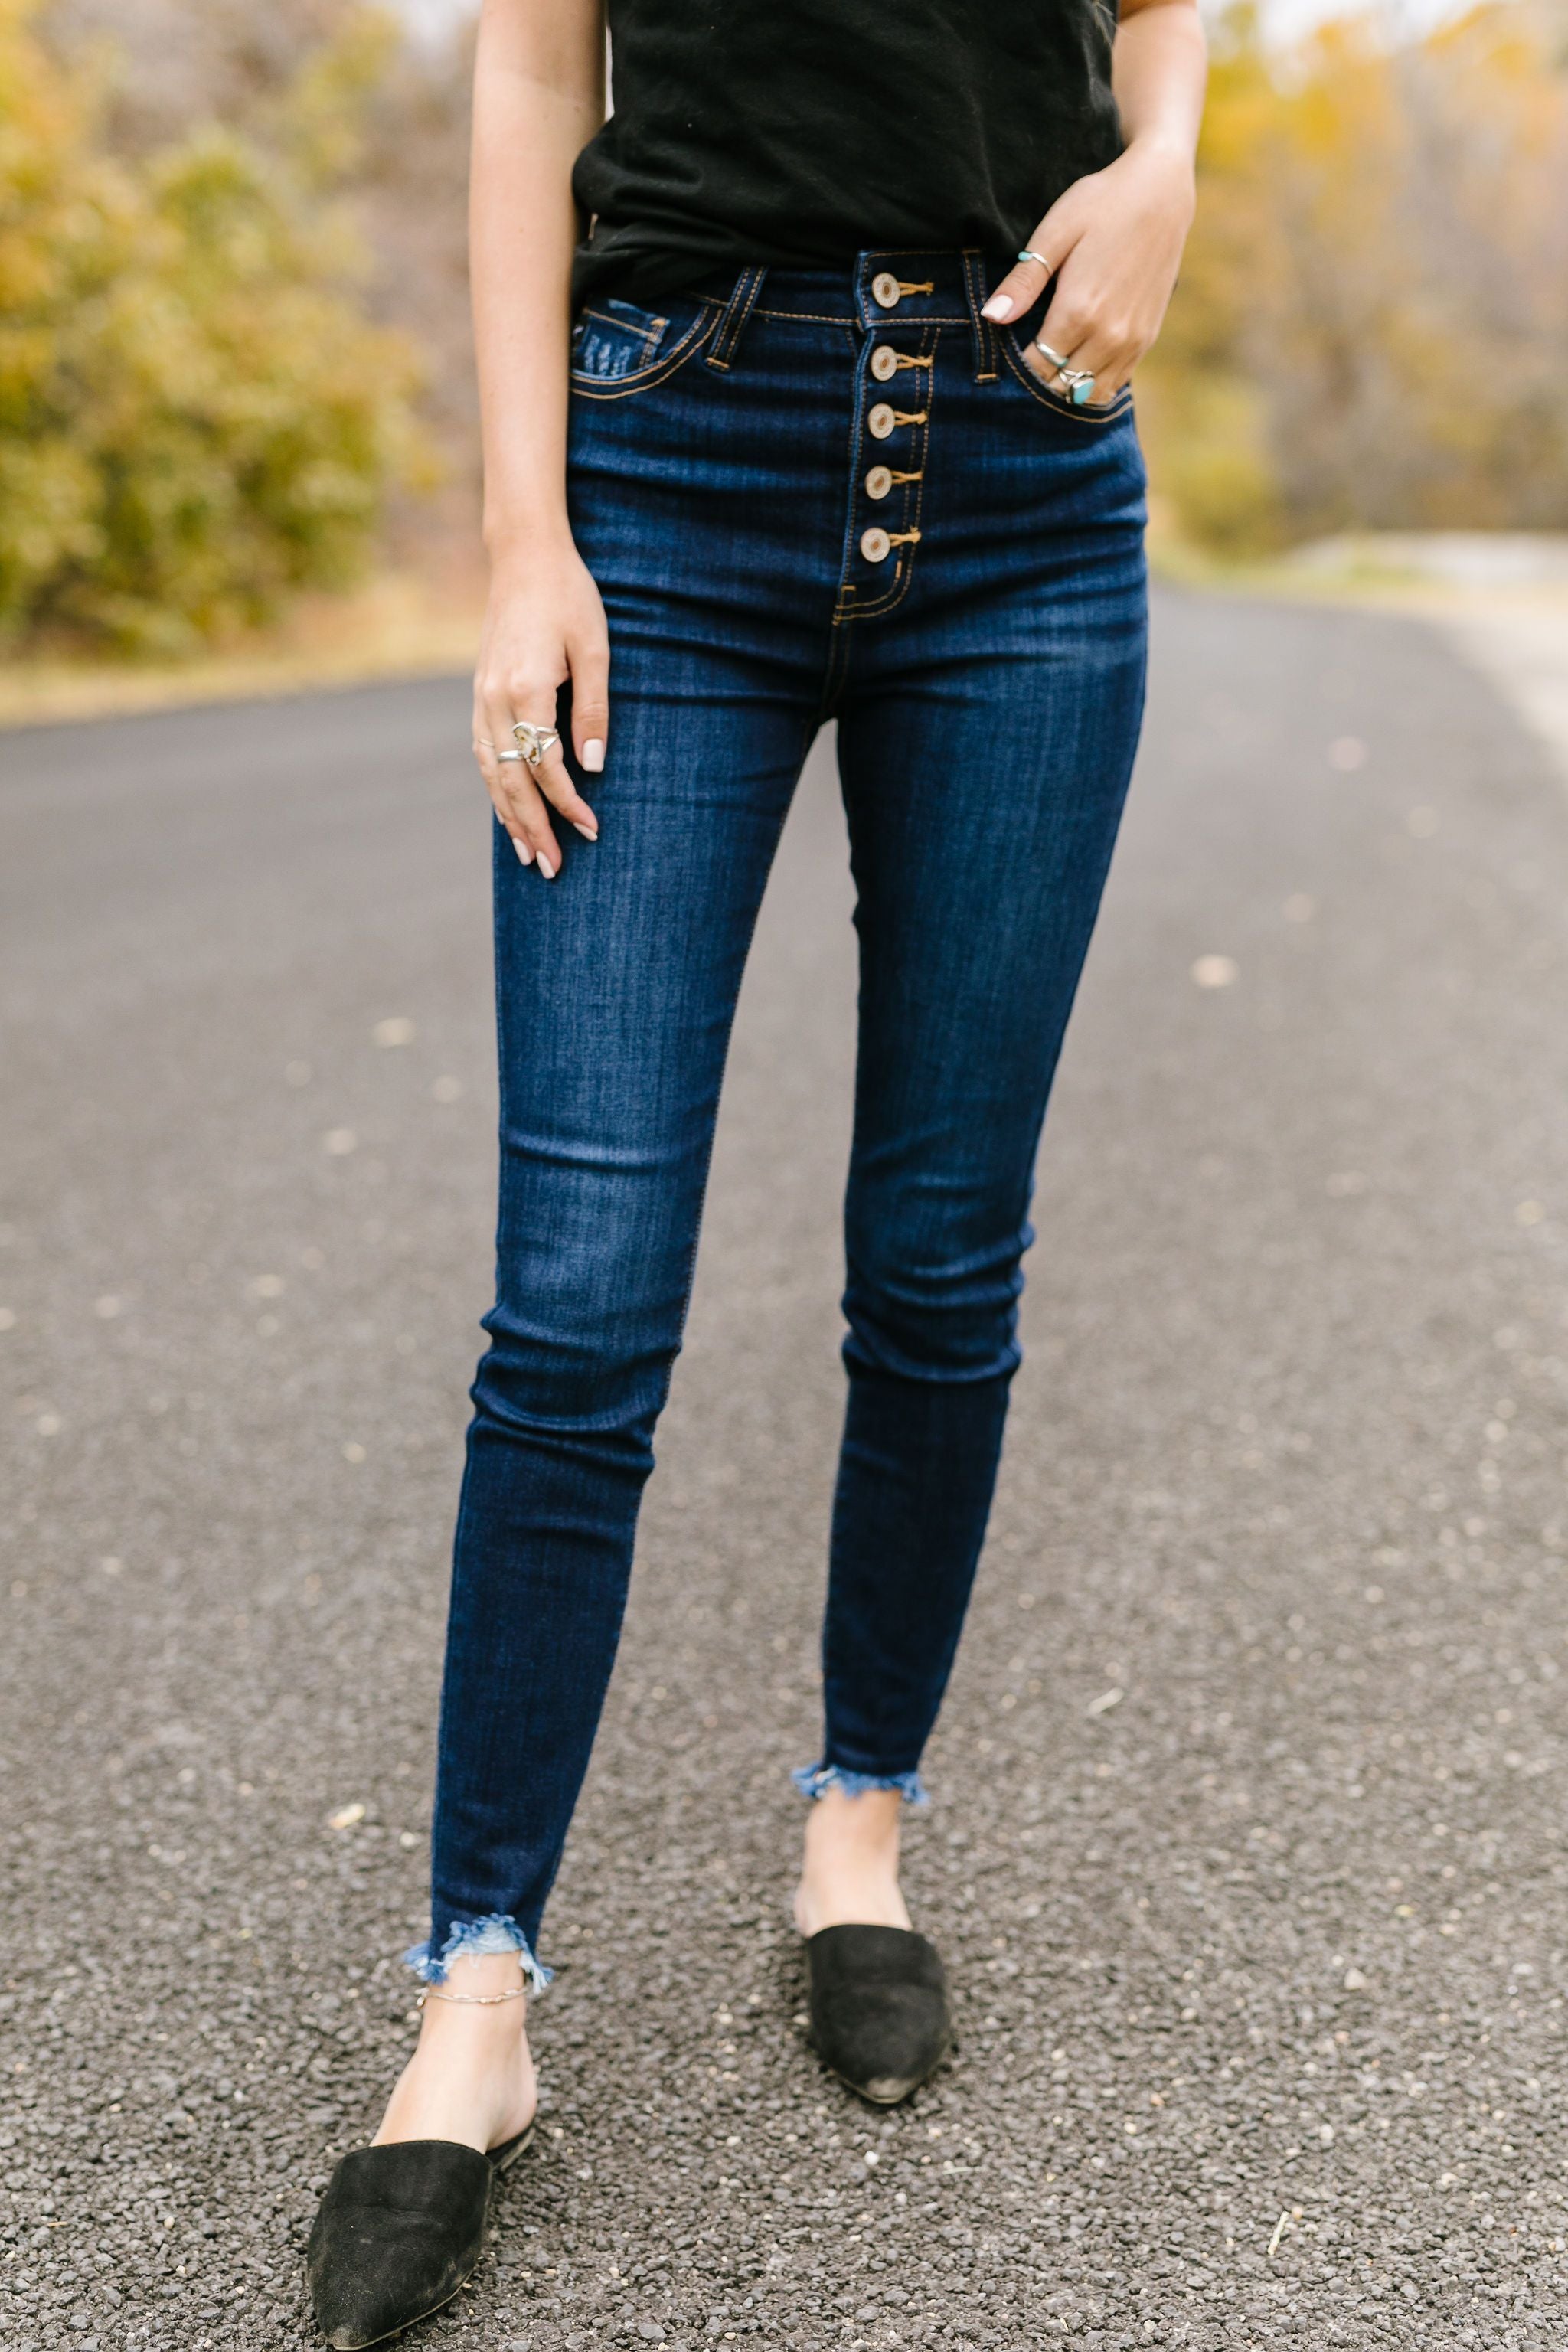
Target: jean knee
(936,1314)
(580,1359)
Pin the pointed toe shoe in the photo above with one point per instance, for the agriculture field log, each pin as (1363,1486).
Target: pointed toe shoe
(398,2230)
(878,2009)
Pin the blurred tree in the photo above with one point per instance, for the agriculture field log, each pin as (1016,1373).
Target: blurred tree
(178,63)
(195,416)
(1372,326)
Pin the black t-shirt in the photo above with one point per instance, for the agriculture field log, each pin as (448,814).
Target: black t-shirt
(804,131)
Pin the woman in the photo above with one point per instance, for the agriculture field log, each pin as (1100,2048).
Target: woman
(776,429)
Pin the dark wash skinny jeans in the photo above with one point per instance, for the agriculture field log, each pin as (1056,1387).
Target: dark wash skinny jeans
(808,495)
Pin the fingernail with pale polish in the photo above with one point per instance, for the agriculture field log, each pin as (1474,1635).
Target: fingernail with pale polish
(593,755)
(588,832)
(999,306)
(545,867)
(523,850)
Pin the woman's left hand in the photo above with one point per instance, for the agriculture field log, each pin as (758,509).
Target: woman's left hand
(1113,242)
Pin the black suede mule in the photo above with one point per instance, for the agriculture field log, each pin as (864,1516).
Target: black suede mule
(878,2009)
(399,2229)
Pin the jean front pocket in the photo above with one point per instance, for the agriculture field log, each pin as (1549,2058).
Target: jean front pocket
(1090,413)
(614,339)
(618,351)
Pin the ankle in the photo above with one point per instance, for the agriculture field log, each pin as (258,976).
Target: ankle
(492,1980)
(470,2076)
(849,1873)
(860,1831)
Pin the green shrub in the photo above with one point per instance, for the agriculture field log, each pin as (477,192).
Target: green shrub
(196,418)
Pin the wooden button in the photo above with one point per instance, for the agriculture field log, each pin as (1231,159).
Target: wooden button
(881,422)
(885,289)
(879,482)
(884,362)
(875,544)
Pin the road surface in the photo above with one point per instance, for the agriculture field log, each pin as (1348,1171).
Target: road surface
(1247,1852)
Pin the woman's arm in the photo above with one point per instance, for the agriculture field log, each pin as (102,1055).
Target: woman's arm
(1114,240)
(539,97)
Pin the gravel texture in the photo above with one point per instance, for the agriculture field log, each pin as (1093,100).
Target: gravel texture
(1247,1852)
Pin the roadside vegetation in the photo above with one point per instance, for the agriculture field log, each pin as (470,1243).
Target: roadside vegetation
(1371,328)
(234,371)
(197,419)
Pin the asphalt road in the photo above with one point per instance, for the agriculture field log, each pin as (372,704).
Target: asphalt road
(1248,1849)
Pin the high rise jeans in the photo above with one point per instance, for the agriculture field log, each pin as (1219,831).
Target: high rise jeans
(805,496)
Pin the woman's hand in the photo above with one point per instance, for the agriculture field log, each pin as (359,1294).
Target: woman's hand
(1114,240)
(544,624)
(1114,243)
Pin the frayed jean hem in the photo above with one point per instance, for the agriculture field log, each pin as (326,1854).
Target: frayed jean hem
(816,1779)
(467,1940)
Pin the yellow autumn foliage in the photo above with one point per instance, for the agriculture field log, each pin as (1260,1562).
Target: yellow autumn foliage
(1371,326)
(196,418)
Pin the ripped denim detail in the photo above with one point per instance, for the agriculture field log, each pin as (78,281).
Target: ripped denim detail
(467,1940)
(816,1779)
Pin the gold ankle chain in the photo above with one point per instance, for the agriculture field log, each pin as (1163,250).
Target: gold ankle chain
(470,2000)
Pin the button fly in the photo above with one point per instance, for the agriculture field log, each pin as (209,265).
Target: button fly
(875,544)
(884,362)
(881,422)
(879,482)
(885,289)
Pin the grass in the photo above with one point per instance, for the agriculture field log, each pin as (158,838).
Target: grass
(403,624)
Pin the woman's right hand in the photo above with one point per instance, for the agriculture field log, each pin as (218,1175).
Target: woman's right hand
(544,624)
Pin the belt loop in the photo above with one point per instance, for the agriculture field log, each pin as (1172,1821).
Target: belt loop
(981,330)
(737,311)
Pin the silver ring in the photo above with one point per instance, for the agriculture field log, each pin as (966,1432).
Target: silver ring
(507,755)
(1027,255)
(1079,382)
(534,741)
(1046,352)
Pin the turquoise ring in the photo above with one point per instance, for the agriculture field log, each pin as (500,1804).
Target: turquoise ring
(1080,382)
